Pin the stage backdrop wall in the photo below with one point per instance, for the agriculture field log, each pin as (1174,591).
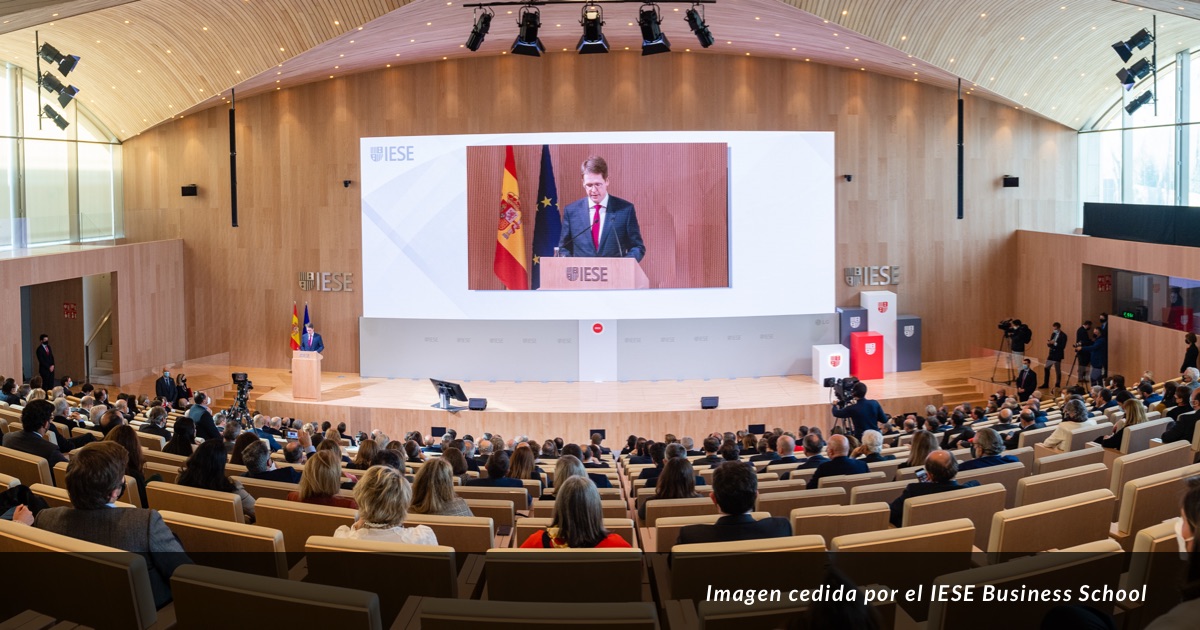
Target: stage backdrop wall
(296,146)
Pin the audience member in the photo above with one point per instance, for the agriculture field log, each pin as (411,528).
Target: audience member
(940,470)
(235,449)
(959,434)
(578,521)
(35,422)
(127,438)
(366,452)
(205,469)
(497,470)
(1135,414)
(677,481)
(1183,430)
(923,444)
(1074,416)
(840,463)
(735,490)
(156,424)
(206,427)
(184,440)
(383,498)
(871,449)
(433,491)
(256,457)
(321,481)
(1029,422)
(988,450)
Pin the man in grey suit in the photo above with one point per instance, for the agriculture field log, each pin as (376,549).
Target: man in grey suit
(35,422)
(614,231)
(95,480)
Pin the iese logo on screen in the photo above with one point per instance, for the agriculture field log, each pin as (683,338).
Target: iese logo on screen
(394,153)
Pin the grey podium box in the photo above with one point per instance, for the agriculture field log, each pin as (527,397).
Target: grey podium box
(908,343)
(851,319)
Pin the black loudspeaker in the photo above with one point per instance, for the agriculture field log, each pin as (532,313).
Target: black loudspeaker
(708,402)
(1012,182)
(190,190)
(477,404)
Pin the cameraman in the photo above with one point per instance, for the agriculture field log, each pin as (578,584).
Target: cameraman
(1082,357)
(866,414)
(1018,335)
(1098,351)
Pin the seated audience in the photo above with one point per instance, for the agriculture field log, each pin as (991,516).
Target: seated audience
(988,448)
(321,481)
(658,455)
(630,443)
(785,451)
(598,442)
(677,481)
(95,479)
(522,466)
(127,438)
(246,438)
(383,498)
(940,470)
(840,462)
(205,469)
(1135,414)
(923,443)
(184,440)
(256,457)
(1183,430)
(366,452)
(1029,422)
(156,423)
(549,450)
(591,457)
(497,470)
(8,392)
(35,422)
(1074,416)
(813,444)
(458,464)
(578,521)
(959,434)
(433,491)
(735,490)
(871,449)
(412,451)
(641,452)
(710,459)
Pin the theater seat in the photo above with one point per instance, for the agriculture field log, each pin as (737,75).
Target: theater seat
(658,508)
(8,481)
(466,534)
(228,545)
(1149,501)
(744,564)
(1057,524)
(265,489)
(198,501)
(1155,563)
(1054,485)
(885,492)
(168,472)
(29,468)
(831,521)
(1007,475)
(1145,463)
(298,521)
(456,614)
(662,536)
(782,503)
(1076,457)
(978,504)
(205,598)
(849,482)
(564,575)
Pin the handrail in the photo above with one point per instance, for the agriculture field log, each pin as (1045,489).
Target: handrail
(99,327)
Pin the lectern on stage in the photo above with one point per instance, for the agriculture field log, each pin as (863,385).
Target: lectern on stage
(592,273)
(306,375)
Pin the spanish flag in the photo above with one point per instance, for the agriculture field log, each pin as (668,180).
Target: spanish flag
(295,328)
(510,239)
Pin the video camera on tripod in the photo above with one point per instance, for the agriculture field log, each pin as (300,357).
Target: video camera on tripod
(842,389)
(240,412)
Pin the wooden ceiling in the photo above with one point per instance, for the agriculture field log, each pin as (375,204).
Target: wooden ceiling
(148,61)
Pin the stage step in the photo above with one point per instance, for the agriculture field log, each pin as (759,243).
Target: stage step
(959,390)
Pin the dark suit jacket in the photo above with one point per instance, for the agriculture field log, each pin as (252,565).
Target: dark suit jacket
(712,461)
(876,457)
(160,431)
(317,345)
(45,359)
(1183,430)
(813,462)
(1190,357)
(493,482)
(735,527)
(34,444)
(130,529)
(621,236)
(601,481)
(165,389)
(206,429)
(765,457)
(837,466)
(274,446)
(866,415)
(919,490)
(1015,440)
(954,435)
(987,460)
(287,474)
(1026,384)
(638,459)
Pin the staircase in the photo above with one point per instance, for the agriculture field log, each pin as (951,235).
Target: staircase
(956,391)
(102,367)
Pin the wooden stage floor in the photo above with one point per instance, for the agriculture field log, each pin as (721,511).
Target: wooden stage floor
(573,410)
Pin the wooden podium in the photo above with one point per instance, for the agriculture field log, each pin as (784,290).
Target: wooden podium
(306,375)
(592,273)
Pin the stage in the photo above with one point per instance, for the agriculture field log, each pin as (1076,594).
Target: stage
(573,410)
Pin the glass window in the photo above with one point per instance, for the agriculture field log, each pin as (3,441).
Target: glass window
(95,191)
(47,203)
(1160,300)
(1100,159)
(1153,150)
(35,125)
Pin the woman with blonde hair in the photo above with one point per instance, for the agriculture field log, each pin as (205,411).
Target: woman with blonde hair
(383,498)
(578,521)
(923,444)
(321,481)
(1135,414)
(433,491)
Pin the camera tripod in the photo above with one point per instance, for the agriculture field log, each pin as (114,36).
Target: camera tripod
(1005,350)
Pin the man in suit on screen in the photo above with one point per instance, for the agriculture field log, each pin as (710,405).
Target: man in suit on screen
(600,225)
(311,340)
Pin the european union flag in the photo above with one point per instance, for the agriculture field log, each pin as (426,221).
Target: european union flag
(547,227)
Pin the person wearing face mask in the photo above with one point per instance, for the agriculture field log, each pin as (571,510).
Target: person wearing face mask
(164,387)
(67,384)
(1191,355)
(1188,611)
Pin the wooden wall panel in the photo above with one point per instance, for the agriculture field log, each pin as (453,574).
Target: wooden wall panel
(66,335)
(148,306)
(896,137)
(1050,268)
(680,192)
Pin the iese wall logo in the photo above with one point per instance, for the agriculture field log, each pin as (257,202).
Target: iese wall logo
(392,153)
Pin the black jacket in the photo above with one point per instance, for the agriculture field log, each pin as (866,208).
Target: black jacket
(1183,430)
(735,527)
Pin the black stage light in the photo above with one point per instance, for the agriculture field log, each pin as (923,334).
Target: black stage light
(695,20)
(480,31)
(1140,40)
(55,117)
(1134,73)
(54,86)
(591,18)
(50,54)
(527,42)
(1136,103)
(653,39)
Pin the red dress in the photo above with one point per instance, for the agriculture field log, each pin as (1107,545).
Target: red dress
(335,501)
(537,540)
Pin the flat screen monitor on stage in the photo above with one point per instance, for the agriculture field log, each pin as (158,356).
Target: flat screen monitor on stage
(712,224)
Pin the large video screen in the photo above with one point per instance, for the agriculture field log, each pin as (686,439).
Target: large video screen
(689,224)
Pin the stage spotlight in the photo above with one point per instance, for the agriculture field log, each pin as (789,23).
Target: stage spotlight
(695,19)
(54,86)
(58,120)
(527,42)
(653,39)
(482,24)
(50,54)
(1140,40)
(1134,73)
(591,18)
(1136,103)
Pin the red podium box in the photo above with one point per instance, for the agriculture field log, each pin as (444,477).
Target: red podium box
(866,355)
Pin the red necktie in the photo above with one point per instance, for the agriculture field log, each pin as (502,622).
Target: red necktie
(596,229)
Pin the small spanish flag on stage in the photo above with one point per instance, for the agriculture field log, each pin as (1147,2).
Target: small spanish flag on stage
(510,238)
(295,328)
